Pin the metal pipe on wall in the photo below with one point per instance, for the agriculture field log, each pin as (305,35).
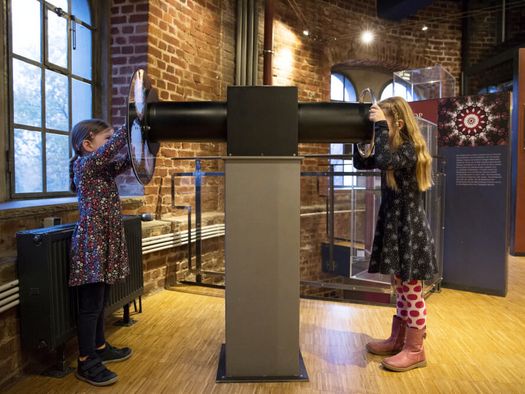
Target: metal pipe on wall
(246,45)
(255,51)
(244,25)
(238,37)
(9,295)
(249,39)
(268,42)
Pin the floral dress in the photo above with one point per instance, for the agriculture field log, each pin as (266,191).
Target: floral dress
(98,246)
(403,244)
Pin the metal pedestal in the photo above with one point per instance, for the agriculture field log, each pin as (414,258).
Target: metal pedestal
(262,204)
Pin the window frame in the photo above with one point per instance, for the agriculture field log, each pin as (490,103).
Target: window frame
(100,77)
(392,82)
(345,80)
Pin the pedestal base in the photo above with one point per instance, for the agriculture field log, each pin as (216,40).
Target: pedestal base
(223,378)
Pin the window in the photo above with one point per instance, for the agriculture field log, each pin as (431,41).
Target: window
(397,89)
(50,87)
(341,89)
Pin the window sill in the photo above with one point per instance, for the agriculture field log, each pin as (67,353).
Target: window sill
(18,208)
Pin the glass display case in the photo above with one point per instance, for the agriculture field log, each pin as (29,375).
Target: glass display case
(424,83)
(337,236)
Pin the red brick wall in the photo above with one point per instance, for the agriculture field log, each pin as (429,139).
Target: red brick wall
(484,42)
(188,51)
(129,35)
(482,33)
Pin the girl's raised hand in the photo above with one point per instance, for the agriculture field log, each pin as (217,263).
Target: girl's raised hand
(376,113)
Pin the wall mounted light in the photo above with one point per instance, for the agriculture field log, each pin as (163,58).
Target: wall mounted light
(424,28)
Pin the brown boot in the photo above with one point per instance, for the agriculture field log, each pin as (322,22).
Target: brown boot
(413,354)
(392,345)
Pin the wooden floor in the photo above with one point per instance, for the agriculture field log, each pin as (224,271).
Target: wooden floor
(475,344)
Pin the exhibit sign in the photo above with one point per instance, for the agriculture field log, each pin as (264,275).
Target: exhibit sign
(474,140)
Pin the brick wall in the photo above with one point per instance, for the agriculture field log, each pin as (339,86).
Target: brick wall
(484,42)
(128,41)
(482,33)
(188,51)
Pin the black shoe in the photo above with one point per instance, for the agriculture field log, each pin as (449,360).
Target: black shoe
(112,354)
(93,371)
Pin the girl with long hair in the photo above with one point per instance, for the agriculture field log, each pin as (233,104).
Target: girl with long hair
(403,245)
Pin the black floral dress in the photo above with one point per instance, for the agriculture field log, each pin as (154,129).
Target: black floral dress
(98,245)
(403,244)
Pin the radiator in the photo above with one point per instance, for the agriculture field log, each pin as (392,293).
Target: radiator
(48,306)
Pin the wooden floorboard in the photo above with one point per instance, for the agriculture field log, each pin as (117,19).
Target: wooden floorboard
(475,344)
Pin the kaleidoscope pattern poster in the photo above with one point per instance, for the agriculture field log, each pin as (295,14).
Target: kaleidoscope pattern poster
(474,120)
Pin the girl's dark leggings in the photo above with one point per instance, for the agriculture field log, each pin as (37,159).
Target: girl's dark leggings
(91,300)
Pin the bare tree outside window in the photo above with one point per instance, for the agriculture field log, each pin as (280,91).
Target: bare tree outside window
(51,86)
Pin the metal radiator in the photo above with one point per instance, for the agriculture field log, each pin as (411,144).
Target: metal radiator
(48,306)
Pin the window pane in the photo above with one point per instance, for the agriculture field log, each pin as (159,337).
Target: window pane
(399,90)
(82,53)
(57,162)
(402,90)
(25,16)
(350,95)
(59,4)
(80,8)
(82,103)
(336,87)
(387,91)
(57,110)
(28,161)
(57,39)
(27,93)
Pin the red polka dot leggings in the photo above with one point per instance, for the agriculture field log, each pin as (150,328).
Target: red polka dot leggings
(410,302)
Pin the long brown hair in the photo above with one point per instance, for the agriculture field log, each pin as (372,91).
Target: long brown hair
(83,130)
(396,108)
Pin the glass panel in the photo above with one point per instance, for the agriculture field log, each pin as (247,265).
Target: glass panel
(337,149)
(25,16)
(80,8)
(59,4)
(57,39)
(336,87)
(82,52)
(57,162)
(399,90)
(350,95)
(28,161)
(27,93)
(387,91)
(57,110)
(82,102)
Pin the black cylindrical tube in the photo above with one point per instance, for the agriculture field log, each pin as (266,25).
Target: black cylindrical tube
(334,122)
(187,121)
(207,121)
